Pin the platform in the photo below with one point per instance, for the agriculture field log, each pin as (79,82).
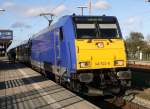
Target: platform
(24,88)
(139,64)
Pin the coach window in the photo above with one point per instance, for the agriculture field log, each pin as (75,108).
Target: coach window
(8,33)
(61,33)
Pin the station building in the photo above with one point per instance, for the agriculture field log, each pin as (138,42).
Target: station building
(6,37)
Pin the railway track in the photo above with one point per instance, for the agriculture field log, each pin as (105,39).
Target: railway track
(103,102)
(140,94)
(136,98)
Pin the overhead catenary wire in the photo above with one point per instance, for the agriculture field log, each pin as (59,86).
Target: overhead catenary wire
(82,8)
(51,14)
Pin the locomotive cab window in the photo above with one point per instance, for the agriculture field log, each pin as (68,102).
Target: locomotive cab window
(108,31)
(93,27)
(85,31)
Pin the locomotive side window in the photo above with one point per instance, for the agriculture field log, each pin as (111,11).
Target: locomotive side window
(84,31)
(108,30)
(61,33)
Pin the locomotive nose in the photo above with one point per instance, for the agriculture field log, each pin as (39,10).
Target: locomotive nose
(100,53)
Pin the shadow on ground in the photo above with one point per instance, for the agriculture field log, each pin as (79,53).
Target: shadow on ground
(5,64)
(140,78)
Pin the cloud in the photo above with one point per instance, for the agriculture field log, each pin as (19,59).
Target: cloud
(8,5)
(131,20)
(134,23)
(31,11)
(59,9)
(35,11)
(101,4)
(21,10)
(20,25)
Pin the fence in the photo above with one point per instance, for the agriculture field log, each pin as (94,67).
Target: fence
(139,56)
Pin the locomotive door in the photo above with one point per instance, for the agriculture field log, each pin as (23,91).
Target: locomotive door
(57,51)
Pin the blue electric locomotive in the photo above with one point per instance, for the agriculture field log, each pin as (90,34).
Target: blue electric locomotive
(84,53)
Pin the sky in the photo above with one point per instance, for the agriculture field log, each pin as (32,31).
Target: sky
(22,16)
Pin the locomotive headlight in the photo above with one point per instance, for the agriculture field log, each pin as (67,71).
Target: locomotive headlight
(100,44)
(124,74)
(84,64)
(119,63)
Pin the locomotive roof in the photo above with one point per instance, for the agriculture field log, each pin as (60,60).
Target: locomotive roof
(91,16)
(5,30)
(64,19)
(58,24)
(95,18)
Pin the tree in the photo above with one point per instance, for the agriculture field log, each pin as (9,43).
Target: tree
(135,42)
(147,49)
(148,38)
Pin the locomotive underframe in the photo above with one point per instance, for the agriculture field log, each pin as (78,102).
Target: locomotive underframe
(99,82)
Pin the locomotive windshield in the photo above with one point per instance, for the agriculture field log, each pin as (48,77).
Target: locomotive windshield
(86,30)
(96,27)
(108,31)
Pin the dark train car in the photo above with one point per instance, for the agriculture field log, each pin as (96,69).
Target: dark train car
(6,37)
(23,52)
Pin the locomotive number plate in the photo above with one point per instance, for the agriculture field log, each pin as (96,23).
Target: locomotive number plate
(102,63)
